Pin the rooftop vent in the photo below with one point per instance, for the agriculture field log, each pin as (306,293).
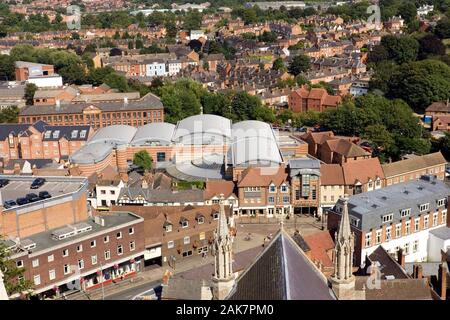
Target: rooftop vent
(384,198)
(406,192)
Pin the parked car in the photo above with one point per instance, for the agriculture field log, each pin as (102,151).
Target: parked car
(38,182)
(3,182)
(9,204)
(32,197)
(22,201)
(44,195)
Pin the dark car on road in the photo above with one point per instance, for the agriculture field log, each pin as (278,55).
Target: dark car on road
(38,182)
(32,197)
(3,182)
(9,204)
(44,195)
(22,201)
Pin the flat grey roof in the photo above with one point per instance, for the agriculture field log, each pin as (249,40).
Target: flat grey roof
(441,232)
(45,240)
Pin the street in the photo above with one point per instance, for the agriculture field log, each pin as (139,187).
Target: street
(129,294)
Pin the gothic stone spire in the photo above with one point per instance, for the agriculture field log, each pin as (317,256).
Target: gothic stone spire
(343,279)
(223,250)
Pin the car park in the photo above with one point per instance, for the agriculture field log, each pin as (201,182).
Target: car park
(22,201)
(37,183)
(44,195)
(3,182)
(32,197)
(9,204)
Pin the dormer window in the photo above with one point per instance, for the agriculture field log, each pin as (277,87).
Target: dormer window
(200,219)
(272,188)
(424,207)
(284,188)
(388,217)
(441,202)
(184,222)
(405,212)
(74,134)
(168,227)
(82,133)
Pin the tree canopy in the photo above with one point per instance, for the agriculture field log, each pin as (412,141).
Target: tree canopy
(143,160)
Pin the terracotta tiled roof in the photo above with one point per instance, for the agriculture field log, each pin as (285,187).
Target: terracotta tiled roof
(317,93)
(346,148)
(362,170)
(215,188)
(320,243)
(155,217)
(257,177)
(440,106)
(331,175)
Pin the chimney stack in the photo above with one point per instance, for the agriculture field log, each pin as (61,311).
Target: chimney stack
(442,278)
(400,257)
(418,271)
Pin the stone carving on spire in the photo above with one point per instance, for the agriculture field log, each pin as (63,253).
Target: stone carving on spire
(222,250)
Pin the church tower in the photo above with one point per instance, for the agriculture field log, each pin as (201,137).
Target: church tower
(222,249)
(343,280)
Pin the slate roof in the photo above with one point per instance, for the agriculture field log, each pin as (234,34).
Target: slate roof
(369,207)
(70,133)
(281,272)
(386,264)
(149,101)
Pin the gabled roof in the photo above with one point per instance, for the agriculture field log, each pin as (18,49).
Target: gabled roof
(346,148)
(259,177)
(362,170)
(413,164)
(282,272)
(320,244)
(331,175)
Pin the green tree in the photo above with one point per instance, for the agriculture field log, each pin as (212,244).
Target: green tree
(9,115)
(401,49)
(278,64)
(430,44)
(11,272)
(268,36)
(299,64)
(117,81)
(30,90)
(143,160)
(442,29)
(421,83)
(7,69)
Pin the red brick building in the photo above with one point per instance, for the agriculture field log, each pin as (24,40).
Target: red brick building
(148,109)
(41,141)
(315,99)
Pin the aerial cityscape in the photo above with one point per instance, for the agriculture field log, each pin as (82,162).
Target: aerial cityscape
(224,150)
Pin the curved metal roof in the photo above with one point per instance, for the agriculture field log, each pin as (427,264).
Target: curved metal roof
(203,125)
(252,128)
(114,135)
(255,150)
(158,132)
(91,153)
